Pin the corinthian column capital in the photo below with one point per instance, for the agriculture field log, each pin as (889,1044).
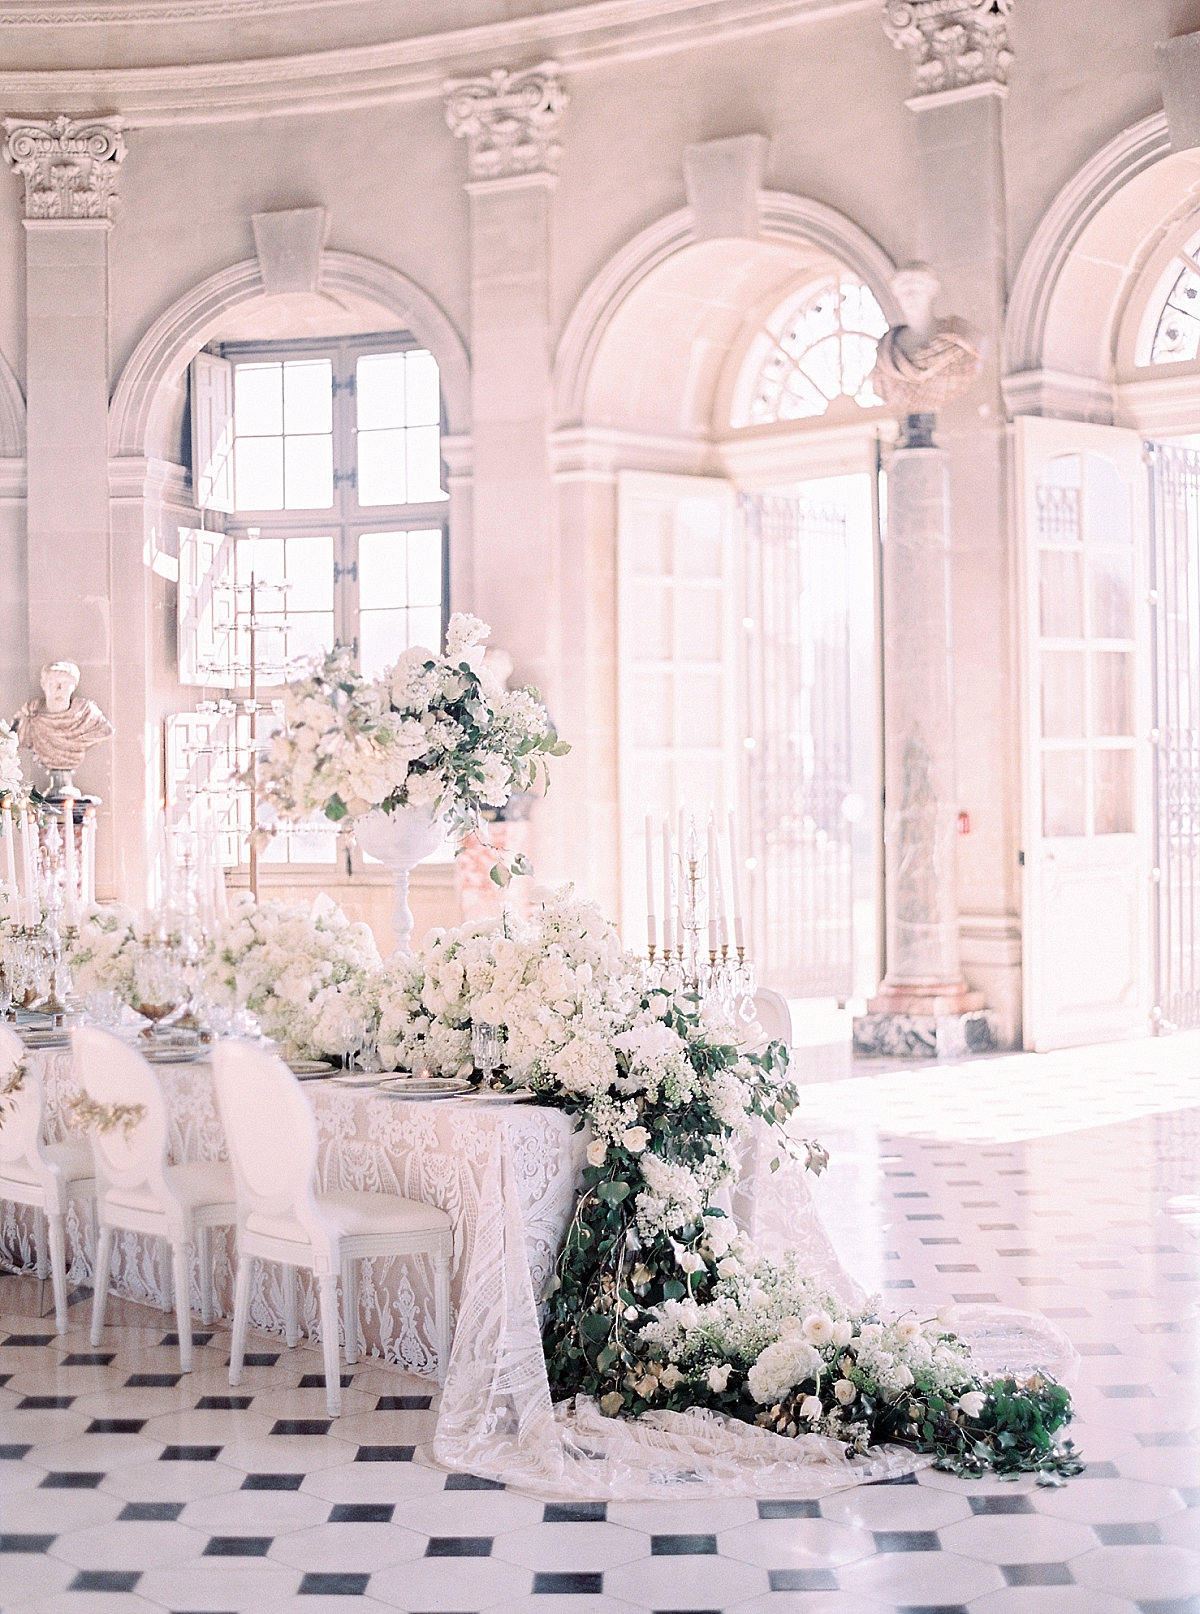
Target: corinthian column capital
(510,120)
(951,43)
(69,165)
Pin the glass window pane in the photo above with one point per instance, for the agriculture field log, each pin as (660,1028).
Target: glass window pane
(425,627)
(308,395)
(309,634)
(381,476)
(308,466)
(1063,805)
(382,574)
(261,558)
(1108,515)
(1061,594)
(379,389)
(1113,783)
(425,567)
(258,473)
(382,635)
(424,464)
(422,392)
(1112,692)
(1062,694)
(257,399)
(272,649)
(310,572)
(1112,594)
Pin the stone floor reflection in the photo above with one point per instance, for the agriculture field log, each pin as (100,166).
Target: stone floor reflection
(1065,1183)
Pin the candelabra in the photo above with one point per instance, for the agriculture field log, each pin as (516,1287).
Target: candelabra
(41,919)
(695,953)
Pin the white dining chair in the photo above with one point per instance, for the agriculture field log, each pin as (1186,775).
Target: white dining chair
(137,1189)
(39,1174)
(773,1014)
(282,1215)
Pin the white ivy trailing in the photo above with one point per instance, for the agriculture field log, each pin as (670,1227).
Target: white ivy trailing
(432,731)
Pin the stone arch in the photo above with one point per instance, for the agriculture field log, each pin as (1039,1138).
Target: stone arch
(786,221)
(12,414)
(142,412)
(1089,253)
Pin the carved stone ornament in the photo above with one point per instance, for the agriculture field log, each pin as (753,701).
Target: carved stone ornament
(951,43)
(511,120)
(69,165)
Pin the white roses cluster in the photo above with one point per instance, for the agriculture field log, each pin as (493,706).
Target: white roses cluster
(431,731)
(307,974)
(11,783)
(103,955)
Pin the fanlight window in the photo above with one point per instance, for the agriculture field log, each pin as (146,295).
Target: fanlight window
(1177,334)
(817,346)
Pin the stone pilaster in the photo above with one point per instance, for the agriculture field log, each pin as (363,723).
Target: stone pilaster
(69,170)
(511,123)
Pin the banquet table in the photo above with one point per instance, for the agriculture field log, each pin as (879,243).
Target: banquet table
(479,1161)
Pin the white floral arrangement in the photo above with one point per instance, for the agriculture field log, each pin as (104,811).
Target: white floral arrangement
(430,732)
(305,973)
(103,955)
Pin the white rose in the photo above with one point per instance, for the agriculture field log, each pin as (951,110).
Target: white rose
(947,1315)
(729,1267)
(690,1261)
(811,1408)
(908,1328)
(902,1377)
(972,1403)
(671,1377)
(870,1332)
(718,1377)
(845,1391)
(596,1152)
(635,1139)
(818,1328)
(843,1333)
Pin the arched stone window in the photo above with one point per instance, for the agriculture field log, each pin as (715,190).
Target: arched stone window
(818,346)
(1177,333)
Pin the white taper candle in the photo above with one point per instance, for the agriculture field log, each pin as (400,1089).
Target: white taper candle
(10,863)
(735,876)
(651,925)
(70,878)
(668,902)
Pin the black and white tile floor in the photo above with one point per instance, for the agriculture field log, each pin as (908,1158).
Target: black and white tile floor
(1069,1183)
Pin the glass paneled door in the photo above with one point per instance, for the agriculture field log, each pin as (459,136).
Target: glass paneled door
(1087,789)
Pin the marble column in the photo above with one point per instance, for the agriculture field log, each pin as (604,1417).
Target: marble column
(921,814)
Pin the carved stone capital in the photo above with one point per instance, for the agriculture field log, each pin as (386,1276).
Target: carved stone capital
(69,165)
(951,43)
(511,120)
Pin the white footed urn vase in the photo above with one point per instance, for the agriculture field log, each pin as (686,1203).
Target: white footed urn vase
(400,839)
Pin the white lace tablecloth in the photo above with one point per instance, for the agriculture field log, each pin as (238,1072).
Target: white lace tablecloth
(461,1155)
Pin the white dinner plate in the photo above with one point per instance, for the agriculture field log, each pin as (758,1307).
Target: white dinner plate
(519,1095)
(423,1087)
(307,1069)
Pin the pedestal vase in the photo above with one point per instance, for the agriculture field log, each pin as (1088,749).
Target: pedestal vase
(400,840)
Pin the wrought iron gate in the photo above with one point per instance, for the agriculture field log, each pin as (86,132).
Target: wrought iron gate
(797,694)
(1175,617)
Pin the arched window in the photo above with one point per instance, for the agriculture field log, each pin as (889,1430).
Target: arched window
(1177,334)
(817,346)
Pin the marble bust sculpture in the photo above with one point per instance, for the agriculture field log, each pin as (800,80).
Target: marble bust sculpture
(925,362)
(58,729)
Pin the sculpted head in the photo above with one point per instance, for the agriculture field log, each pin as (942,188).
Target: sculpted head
(915,288)
(59,680)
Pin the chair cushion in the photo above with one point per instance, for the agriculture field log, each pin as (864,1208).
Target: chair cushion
(74,1162)
(353,1215)
(197,1182)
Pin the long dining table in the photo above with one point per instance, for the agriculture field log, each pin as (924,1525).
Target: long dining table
(479,1160)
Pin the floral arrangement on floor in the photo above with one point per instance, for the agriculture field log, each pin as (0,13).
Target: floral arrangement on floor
(657,1302)
(429,732)
(103,955)
(305,973)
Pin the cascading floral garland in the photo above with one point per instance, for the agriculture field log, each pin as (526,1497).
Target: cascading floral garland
(657,1302)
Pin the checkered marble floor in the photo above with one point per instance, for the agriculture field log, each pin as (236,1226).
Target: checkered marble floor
(1067,1183)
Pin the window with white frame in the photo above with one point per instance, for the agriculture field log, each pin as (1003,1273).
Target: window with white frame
(325,459)
(1177,333)
(818,345)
